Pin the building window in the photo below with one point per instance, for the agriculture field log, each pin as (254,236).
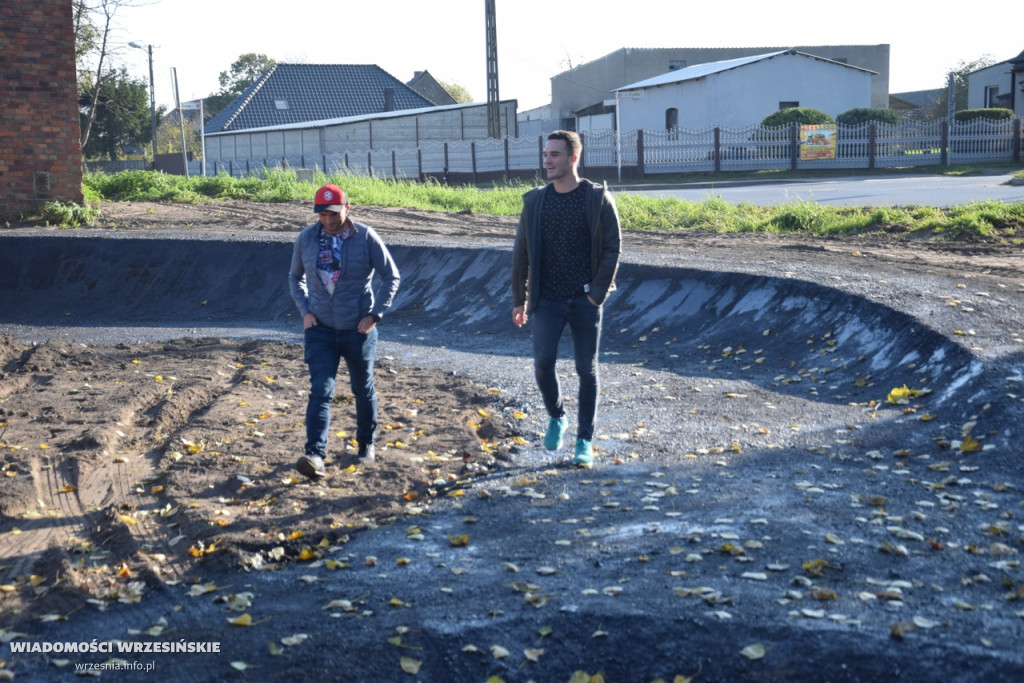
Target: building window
(788,105)
(676,64)
(991,95)
(671,118)
(672,123)
(280,104)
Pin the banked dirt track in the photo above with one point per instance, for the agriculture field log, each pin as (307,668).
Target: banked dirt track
(753,487)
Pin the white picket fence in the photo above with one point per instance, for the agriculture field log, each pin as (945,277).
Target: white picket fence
(641,154)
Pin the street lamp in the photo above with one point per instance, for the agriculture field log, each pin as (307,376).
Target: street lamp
(152,95)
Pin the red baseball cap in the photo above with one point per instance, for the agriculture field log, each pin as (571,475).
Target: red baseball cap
(329,198)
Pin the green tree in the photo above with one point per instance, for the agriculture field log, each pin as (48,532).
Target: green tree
(858,115)
(233,82)
(119,113)
(960,72)
(458,93)
(798,115)
(168,134)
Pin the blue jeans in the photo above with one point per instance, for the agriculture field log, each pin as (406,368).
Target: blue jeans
(325,348)
(584,320)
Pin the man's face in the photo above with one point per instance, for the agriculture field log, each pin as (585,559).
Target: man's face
(334,222)
(558,161)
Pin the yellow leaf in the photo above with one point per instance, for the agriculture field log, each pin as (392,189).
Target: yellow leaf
(519,415)
(410,665)
(158,378)
(241,620)
(401,561)
(295,535)
(755,651)
(899,395)
(69,489)
(533,654)
(127,519)
(460,541)
(969,445)
(201,589)
(482,413)
(307,554)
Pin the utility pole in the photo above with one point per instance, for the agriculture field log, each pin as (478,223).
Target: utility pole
(152,96)
(493,101)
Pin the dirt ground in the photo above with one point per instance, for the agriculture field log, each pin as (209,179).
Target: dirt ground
(108,454)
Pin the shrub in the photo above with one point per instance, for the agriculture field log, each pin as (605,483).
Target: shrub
(859,115)
(991,114)
(69,214)
(798,115)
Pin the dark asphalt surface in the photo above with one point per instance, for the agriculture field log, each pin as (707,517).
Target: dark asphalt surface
(754,493)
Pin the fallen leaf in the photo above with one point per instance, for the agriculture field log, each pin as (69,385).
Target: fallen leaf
(755,651)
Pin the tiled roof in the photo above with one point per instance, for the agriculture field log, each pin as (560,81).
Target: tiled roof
(293,93)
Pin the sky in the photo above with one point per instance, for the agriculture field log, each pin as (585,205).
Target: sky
(538,39)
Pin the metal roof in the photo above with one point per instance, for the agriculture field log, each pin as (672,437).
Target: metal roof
(701,70)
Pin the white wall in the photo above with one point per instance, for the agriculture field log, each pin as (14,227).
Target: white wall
(744,96)
(997,75)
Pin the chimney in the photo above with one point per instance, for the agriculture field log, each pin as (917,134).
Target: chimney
(389,99)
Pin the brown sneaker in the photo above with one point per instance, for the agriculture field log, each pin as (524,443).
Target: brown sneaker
(366,454)
(311,466)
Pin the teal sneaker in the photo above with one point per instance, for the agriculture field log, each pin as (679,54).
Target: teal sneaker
(584,456)
(556,432)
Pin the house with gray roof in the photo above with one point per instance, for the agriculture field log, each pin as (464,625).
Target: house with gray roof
(297,93)
(428,86)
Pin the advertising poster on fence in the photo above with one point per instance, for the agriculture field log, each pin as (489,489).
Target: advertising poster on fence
(818,142)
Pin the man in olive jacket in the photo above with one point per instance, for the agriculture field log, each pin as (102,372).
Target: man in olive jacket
(564,262)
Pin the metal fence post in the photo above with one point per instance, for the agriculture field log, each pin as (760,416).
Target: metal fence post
(1016,140)
(945,142)
(506,159)
(472,158)
(583,153)
(419,164)
(718,150)
(641,174)
(394,166)
(872,144)
(794,145)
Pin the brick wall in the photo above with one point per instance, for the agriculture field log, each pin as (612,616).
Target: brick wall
(40,153)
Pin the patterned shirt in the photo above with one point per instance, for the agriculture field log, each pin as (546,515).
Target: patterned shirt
(565,244)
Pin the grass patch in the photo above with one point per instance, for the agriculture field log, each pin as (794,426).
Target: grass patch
(985,221)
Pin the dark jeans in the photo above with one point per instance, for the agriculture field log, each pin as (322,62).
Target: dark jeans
(324,350)
(584,320)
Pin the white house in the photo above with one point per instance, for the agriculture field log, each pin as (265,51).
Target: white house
(999,85)
(735,93)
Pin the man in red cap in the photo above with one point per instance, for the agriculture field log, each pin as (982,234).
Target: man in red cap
(334,262)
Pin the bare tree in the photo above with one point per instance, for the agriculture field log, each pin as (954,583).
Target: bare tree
(94,25)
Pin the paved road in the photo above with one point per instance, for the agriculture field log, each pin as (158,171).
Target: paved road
(924,190)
